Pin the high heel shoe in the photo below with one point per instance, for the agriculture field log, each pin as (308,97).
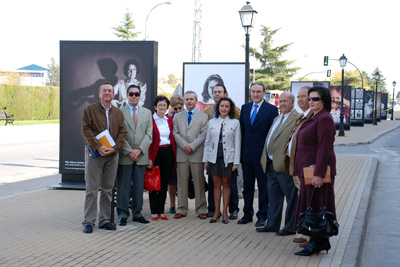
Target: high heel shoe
(225,221)
(324,245)
(216,220)
(309,250)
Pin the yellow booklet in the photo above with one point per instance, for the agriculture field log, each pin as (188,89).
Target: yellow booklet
(105,139)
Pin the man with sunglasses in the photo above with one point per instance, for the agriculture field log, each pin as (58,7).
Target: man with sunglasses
(133,158)
(218,91)
(100,161)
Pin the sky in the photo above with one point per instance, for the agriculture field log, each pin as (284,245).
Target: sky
(365,31)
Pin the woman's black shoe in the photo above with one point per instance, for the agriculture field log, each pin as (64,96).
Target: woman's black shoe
(324,245)
(310,249)
(216,220)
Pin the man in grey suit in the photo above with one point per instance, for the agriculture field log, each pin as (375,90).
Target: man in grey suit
(190,129)
(279,184)
(133,158)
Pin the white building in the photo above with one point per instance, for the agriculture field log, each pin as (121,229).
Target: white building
(32,75)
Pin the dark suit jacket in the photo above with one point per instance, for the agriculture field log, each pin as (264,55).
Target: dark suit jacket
(253,136)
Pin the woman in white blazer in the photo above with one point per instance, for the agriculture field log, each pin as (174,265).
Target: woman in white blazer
(221,155)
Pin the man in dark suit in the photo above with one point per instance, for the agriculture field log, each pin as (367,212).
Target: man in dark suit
(279,184)
(256,118)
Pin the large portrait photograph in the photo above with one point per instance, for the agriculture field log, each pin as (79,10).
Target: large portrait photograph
(84,67)
(202,77)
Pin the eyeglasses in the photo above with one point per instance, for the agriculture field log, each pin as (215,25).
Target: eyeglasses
(134,94)
(315,99)
(177,108)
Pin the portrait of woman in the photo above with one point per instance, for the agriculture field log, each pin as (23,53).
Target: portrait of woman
(315,147)
(131,70)
(207,99)
(162,153)
(221,154)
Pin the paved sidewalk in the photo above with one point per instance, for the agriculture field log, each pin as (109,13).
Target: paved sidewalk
(43,228)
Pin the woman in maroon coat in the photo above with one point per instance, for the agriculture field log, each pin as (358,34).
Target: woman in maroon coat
(162,153)
(315,147)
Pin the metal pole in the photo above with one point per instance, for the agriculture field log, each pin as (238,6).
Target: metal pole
(341,125)
(375,102)
(392,117)
(247,67)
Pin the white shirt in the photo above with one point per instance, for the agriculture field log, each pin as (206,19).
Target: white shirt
(163,128)
(278,120)
(258,109)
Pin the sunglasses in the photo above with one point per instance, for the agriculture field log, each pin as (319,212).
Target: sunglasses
(134,94)
(177,108)
(315,99)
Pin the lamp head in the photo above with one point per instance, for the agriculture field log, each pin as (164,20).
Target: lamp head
(247,16)
(394,83)
(377,76)
(343,61)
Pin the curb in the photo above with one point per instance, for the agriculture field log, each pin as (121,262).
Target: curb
(356,238)
(368,141)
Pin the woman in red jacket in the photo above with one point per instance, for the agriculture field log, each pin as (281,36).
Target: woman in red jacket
(315,147)
(162,153)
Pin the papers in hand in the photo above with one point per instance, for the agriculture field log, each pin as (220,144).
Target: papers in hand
(105,139)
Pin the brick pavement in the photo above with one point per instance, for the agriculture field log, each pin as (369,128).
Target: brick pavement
(43,228)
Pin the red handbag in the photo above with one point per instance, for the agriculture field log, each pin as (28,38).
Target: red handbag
(152,179)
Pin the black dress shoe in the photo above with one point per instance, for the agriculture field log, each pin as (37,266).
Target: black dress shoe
(265,230)
(108,226)
(122,222)
(88,229)
(260,222)
(311,248)
(234,215)
(284,233)
(245,220)
(140,219)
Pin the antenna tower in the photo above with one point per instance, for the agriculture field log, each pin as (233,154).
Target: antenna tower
(196,44)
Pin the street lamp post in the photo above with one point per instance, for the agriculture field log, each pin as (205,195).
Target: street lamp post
(394,85)
(247,16)
(343,61)
(377,77)
(145,25)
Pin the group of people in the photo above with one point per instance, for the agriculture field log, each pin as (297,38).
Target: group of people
(271,148)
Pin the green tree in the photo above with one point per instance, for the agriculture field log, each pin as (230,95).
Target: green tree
(275,72)
(125,30)
(53,73)
(172,79)
(351,78)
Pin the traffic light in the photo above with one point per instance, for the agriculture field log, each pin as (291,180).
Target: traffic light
(326,60)
(328,73)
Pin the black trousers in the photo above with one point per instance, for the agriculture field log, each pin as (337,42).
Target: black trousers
(165,160)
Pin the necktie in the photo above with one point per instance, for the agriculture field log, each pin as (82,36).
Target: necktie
(134,117)
(189,117)
(254,114)
(277,128)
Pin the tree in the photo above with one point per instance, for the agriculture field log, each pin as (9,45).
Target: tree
(275,73)
(125,30)
(53,73)
(172,79)
(381,82)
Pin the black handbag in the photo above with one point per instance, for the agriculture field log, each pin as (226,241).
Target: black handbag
(319,224)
